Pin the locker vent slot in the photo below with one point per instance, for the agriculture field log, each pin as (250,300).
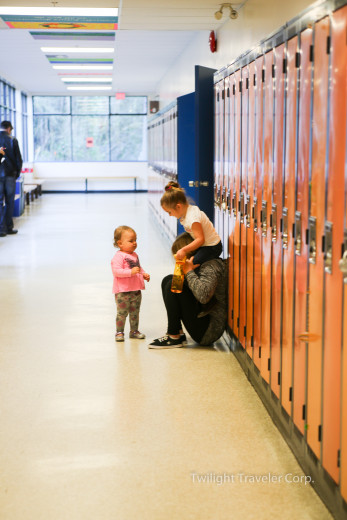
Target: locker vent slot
(233,90)
(248,211)
(274,223)
(254,80)
(238,322)
(297,60)
(252,341)
(304,412)
(217,96)
(273,70)
(244,331)
(312,239)
(232,314)
(247,83)
(255,214)
(228,92)
(311,52)
(285,228)
(259,352)
(328,250)
(290,394)
(269,364)
(264,218)
(279,378)
(240,86)
(298,233)
(284,70)
(328,44)
(338,458)
(222,94)
(263,75)
(320,433)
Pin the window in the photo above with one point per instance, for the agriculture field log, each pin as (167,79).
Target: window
(90,128)
(7,102)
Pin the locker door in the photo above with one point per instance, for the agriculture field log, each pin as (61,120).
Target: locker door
(316,232)
(242,204)
(288,220)
(301,225)
(217,158)
(231,219)
(265,216)
(258,191)
(237,185)
(333,243)
(248,211)
(343,267)
(276,212)
(220,219)
(225,235)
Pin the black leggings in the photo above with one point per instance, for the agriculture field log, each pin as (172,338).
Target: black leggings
(183,308)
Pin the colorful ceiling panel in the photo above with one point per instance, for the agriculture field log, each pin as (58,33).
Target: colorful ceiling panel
(106,23)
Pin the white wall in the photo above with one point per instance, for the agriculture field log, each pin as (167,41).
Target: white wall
(101,175)
(257,20)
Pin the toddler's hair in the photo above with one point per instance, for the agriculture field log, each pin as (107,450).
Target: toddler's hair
(182,240)
(118,233)
(173,195)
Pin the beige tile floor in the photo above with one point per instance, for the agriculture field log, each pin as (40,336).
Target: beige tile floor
(93,430)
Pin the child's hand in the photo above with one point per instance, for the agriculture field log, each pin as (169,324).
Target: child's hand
(180,254)
(135,270)
(146,277)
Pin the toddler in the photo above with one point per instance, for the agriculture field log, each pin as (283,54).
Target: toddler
(128,282)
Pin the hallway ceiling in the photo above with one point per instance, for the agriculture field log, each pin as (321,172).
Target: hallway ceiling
(150,37)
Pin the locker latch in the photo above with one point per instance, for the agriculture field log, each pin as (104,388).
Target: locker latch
(248,211)
(193,184)
(216,195)
(312,237)
(328,247)
(285,228)
(242,206)
(298,233)
(264,218)
(228,202)
(255,214)
(343,261)
(274,223)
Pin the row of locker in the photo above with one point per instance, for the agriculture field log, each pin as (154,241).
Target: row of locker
(162,141)
(162,162)
(280,204)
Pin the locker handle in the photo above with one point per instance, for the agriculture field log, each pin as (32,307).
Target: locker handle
(311,234)
(298,233)
(285,228)
(273,223)
(328,247)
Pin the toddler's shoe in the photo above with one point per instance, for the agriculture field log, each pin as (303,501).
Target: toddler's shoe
(136,334)
(120,336)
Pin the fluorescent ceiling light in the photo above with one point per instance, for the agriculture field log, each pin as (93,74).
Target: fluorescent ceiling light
(89,88)
(59,11)
(87,80)
(77,49)
(83,67)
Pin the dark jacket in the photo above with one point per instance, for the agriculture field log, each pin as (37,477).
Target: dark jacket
(12,165)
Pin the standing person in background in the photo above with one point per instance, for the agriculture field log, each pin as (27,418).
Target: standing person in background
(10,168)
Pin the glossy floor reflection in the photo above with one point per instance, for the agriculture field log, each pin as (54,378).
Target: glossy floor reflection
(94,430)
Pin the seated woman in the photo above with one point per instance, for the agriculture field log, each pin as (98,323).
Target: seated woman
(210,279)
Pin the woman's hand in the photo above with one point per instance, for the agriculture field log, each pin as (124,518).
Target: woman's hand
(189,266)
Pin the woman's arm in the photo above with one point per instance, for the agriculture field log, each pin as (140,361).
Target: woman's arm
(203,285)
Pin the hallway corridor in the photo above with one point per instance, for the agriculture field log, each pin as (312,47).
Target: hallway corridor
(94,430)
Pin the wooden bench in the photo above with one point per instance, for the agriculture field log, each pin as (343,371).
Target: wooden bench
(86,180)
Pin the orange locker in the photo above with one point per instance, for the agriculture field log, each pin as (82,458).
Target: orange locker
(258,191)
(225,235)
(219,128)
(316,232)
(237,185)
(217,149)
(242,203)
(266,214)
(333,241)
(288,219)
(276,212)
(301,225)
(248,210)
(231,218)
(343,267)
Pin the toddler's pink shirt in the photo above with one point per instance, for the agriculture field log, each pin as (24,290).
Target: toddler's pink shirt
(121,264)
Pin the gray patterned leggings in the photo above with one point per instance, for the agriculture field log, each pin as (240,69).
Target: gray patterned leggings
(128,303)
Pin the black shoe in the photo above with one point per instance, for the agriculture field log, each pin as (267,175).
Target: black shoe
(3,234)
(183,339)
(12,231)
(166,342)
(207,307)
